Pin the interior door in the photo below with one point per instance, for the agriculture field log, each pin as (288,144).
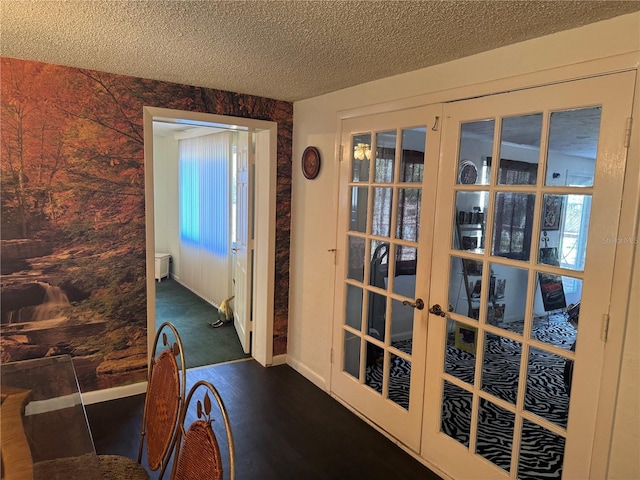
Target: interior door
(529,198)
(384,243)
(242,280)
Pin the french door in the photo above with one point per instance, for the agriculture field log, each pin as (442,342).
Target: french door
(386,211)
(529,191)
(511,258)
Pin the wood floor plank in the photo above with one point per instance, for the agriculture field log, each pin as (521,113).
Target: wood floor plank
(284,427)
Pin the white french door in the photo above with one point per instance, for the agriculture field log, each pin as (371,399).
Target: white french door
(530,184)
(386,211)
(498,375)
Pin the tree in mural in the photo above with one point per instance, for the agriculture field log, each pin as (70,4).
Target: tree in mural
(33,148)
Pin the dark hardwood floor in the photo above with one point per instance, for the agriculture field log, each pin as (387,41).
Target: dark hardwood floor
(284,427)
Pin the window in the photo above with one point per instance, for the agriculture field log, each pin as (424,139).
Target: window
(514,211)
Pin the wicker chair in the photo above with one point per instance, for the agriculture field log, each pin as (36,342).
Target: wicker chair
(197,453)
(163,403)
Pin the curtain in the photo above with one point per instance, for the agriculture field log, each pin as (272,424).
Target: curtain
(205,205)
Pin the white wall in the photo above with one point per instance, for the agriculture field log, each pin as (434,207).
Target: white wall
(165,198)
(313,225)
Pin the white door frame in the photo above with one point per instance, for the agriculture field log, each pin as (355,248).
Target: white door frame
(264,224)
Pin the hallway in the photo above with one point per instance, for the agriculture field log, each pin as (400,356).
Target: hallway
(191,316)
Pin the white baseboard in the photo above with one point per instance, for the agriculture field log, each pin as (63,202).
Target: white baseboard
(307,373)
(107,394)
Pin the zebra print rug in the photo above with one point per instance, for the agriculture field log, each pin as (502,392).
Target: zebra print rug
(541,451)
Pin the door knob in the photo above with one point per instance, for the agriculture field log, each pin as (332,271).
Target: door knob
(419,304)
(437,310)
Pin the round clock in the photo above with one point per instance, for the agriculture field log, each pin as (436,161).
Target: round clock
(468,173)
(311,162)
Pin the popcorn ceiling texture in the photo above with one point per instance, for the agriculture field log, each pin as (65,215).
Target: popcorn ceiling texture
(287,50)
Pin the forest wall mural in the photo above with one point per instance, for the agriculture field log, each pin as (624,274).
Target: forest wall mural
(73,267)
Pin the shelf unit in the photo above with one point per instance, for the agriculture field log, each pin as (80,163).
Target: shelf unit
(476,241)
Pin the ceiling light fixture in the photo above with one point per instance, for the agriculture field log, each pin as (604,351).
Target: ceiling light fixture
(362,151)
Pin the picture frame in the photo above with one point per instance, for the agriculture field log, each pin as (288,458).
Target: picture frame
(311,162)
(552,212)
(552,291)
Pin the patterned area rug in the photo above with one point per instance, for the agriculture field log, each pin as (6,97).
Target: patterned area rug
(541,452)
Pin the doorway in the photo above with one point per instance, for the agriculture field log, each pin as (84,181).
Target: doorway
(509,283)
(254,322)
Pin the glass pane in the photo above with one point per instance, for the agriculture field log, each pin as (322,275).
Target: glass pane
(548,386)
(351,354)
(356,258)
(507,297)
(379,268)
(413,148)
(359,197)
(401,326)
(375,367)
(404,282)
(460,354)
(573,144)
(495,434)
(520,150)
(46,402)
(536,462)
(565,227)
(381,221)
(399,380)
(353,311)
(376,316)
(456,413)
(465,286)
(361,157)
(476,144)
(557,310)
(513,223)
(385,156)
(501,367)
(408,223)
(470,221)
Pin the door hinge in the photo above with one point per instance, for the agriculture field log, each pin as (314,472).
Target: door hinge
(627,134)
(335,255)
(340,153)
(605,327)
(331,356)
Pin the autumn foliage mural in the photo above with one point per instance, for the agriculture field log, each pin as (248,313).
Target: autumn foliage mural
(73,212)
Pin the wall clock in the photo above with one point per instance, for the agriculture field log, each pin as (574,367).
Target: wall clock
(468,173)
(311,162)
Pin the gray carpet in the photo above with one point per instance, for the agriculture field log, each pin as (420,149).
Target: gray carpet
(203,344)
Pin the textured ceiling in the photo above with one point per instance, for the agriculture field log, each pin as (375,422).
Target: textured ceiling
(288,50)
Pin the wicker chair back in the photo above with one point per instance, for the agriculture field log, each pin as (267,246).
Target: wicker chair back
(197,451)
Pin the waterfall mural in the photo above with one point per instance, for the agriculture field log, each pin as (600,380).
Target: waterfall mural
(73,226)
